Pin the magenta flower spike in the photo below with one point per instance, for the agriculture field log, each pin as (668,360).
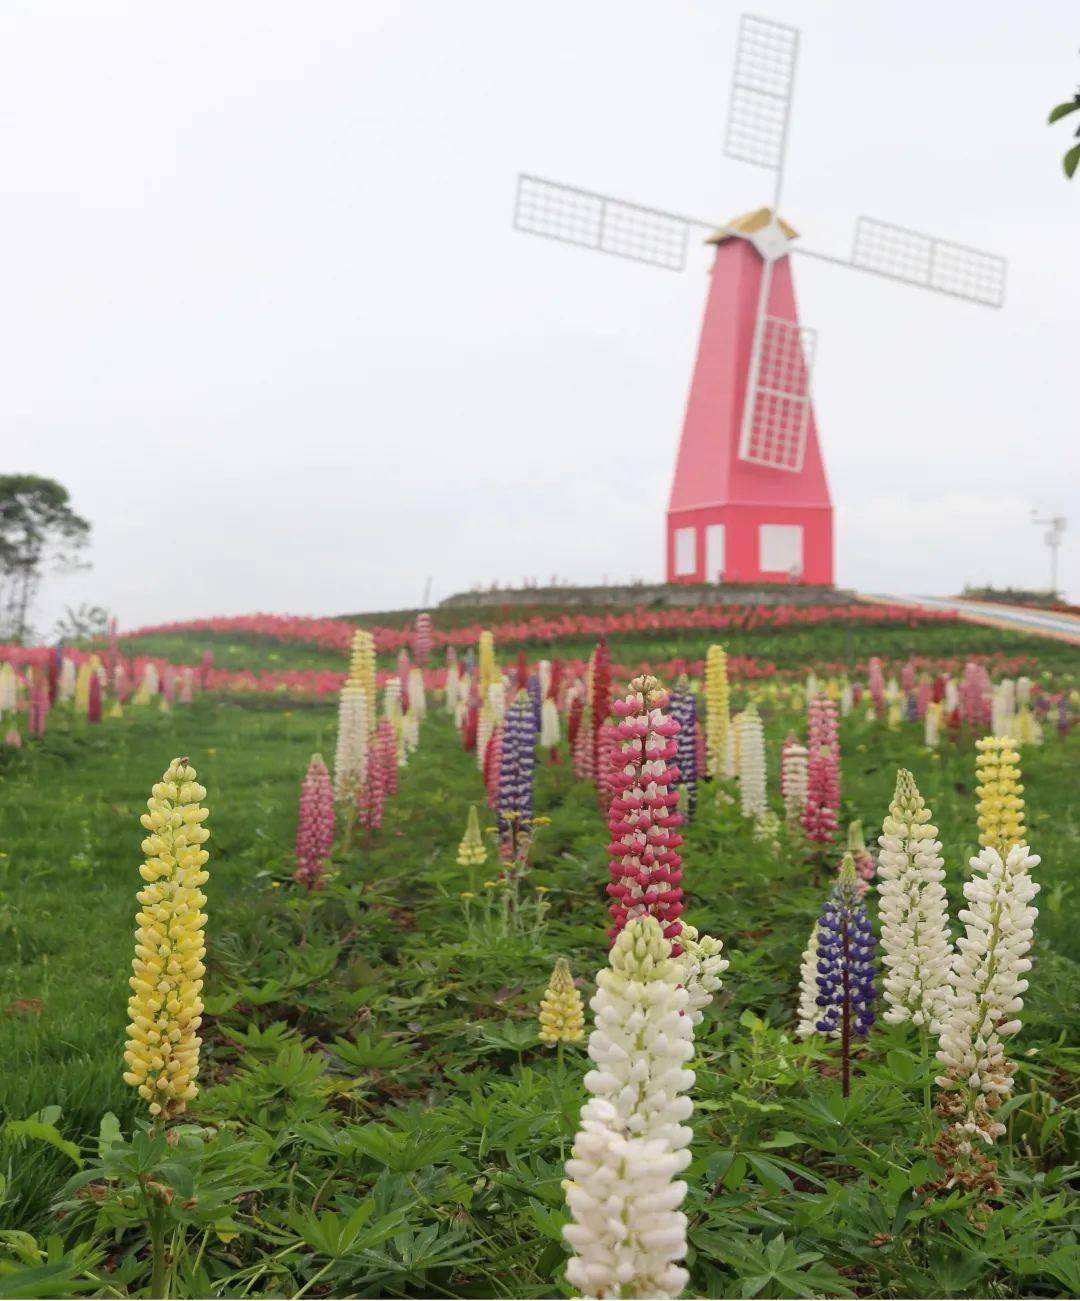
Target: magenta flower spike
(314,825)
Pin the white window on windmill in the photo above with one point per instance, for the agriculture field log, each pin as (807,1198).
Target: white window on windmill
(686,551)
(781,549)
(714,553)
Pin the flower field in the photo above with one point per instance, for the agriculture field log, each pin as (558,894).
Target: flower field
(622,953)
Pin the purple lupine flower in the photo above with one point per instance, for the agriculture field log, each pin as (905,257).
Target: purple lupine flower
(532,685)
(845,964)
(516,772)
(683,708)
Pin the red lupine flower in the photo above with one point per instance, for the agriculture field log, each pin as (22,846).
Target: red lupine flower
(573,720)
(584,752)
(645,865)
(314,825)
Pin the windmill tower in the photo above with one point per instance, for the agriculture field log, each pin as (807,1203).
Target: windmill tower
(750,500)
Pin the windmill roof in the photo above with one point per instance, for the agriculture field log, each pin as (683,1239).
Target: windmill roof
(748,223)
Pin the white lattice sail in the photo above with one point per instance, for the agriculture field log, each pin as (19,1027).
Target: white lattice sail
(599,222)
(925,260)
(761,91)
(777,413)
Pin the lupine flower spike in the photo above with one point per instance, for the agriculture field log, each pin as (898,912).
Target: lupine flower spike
(845,951)
(703,964)
(165,1007)
(717,711)
(562,1014)
(1001,808)
(915,943)
(752,789)
(314,825)
(645,865)
(472,852)
(626,1229)
(986,995)
(808,1012)
(793,779)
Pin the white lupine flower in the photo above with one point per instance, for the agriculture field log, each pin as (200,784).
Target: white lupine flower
(9,690)
(751,764)
(952,696)
(350,757)
(847,699)
(549,724)
(66,684)
(452,688)
(410,729)
(543,676)
(809,1014)
(1023,691)
(812,687)
(485,725)
(793,779)
(986,995)
(417,695)
(626,1230)
(915,943)
(703,965)
(1003,708)
(461,703)
(497,701)
(731,749)
(932,726)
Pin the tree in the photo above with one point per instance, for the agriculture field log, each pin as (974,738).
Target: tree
(1072,156)
(38,528)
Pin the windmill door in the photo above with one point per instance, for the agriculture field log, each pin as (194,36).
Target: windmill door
(714,553)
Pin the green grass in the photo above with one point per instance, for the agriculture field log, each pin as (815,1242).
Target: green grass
(363,1044)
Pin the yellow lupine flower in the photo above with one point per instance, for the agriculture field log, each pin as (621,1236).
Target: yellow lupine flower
(717,710)
(486,668)
(472,852)
(362,671)
(562,1014)
(1001,808)
(165,1007)
(82,688)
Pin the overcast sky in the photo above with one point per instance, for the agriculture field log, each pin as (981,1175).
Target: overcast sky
(264,313)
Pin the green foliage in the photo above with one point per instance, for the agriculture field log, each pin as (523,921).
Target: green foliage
(377,1114)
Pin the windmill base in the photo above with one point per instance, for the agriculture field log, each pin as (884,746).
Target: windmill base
(750,544)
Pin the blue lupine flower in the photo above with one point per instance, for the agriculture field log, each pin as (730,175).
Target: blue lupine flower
(517,769)
(845,965)
(683,706)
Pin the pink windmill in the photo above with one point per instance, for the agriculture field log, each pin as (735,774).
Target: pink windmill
(750,499)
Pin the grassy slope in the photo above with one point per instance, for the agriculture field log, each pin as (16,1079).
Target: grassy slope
(787,648)
(386,954)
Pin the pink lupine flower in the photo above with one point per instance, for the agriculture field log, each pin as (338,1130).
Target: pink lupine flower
(492,766)
(823,772)
(39,704)
(875,684)
(93,700)
(371,799)
(13,738)
(422,639)
(976,695)
(600,704)
(584,751)
(605,750)
(907,676)
(645,865)
(314,825)
(386,742)
(187,684)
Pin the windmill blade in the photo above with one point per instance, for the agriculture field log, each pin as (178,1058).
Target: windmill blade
(600,222)
(761,92)
(932,263)
(776,412)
